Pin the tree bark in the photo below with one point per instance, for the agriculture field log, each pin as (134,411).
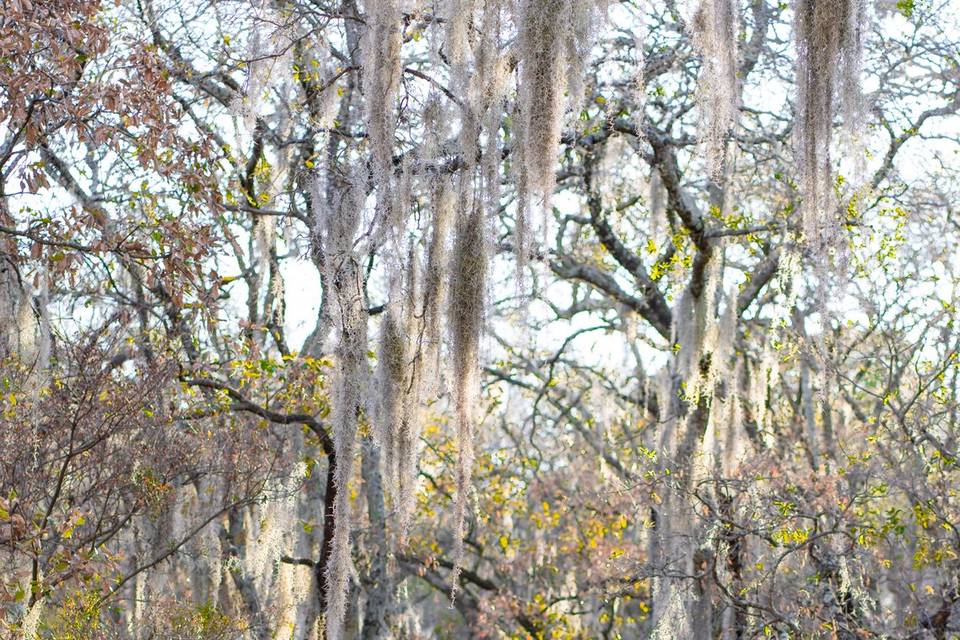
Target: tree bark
(378,582)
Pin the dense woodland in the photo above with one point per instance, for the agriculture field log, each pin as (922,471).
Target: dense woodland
(329,319)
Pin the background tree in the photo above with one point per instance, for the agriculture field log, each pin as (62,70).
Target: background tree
(595,319)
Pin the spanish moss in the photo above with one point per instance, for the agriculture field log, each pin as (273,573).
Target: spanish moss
(828,38)
(715,36)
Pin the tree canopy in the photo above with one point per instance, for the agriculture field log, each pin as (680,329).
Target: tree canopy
(479,318)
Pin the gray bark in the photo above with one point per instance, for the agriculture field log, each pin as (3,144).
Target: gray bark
(378,581)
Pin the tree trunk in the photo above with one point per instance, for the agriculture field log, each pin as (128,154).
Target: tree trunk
(378,582)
